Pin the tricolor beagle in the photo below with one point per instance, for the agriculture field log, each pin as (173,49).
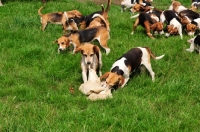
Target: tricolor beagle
(177,6)
(57,17)
(194,44)
(195,4)
(126,64)
(172,19)
(84,21)
(90,57)
(77,38)
(125,4)
(148,23)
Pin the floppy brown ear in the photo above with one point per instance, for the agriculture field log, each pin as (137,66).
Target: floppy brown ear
(96,50)
(153,27)
(78,49)
(121,81)
(104,76)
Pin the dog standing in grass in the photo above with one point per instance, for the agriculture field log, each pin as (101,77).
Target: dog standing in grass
(90,58)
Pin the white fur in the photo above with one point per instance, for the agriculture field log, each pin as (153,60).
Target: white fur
(145,61)
(193,46)
(125,4)
(174,22)
(93,89)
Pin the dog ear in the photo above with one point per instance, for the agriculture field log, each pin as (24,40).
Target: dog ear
(104,76)
(153,26)
(96,50)
(121,81)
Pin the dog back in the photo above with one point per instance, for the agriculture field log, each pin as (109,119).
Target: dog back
(133,58)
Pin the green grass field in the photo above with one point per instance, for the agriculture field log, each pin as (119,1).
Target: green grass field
(35,79)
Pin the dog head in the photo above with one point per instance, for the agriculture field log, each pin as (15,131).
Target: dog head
(63,43)
(140,8)
(191,29)
(110,79)
(158,26)
(71,24)
(171,30)
(88,51)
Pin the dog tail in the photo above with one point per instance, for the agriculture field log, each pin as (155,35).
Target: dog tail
(108,6)
(135,16)
(65,14)
(39,11)
(100,16)
(153,56)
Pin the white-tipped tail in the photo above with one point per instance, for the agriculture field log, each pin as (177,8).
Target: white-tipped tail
(135,16)
(159,57)
(66,15)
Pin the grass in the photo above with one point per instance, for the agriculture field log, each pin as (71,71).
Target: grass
(35,79)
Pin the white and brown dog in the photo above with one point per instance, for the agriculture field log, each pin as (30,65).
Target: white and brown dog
(194,44)
(90,57)
(195,5)
(177,6)
(77,38)
(173,23)
(57,17)
(126,64)
(150,24)
(126,4)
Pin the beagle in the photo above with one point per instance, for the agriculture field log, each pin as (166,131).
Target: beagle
(84,21)
(90,57)
(76,38)
(172,19)
(99,20)
(123,67)
(140,8)
(148,23)
(195,4)
(125,4)
(177,6)
(194,44)
(193,26)
(57,17)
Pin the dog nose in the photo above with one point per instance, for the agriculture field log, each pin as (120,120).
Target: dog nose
(88,63)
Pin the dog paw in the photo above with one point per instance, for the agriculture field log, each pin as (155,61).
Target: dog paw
(189,50)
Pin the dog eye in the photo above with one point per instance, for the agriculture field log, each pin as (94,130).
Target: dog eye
(62,43)
(91,55)
(85,55)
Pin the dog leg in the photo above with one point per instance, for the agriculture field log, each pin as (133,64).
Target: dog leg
(44,24)
(149,68)
(148,29)
(84,76)
(103,42)
(191,49)
(135,25)
(125,82)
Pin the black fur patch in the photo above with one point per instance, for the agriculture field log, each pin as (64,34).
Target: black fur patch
(190,14)
(197,40)
(117,70)
(56,17)
(87,35)
(144,17)
(169,15)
